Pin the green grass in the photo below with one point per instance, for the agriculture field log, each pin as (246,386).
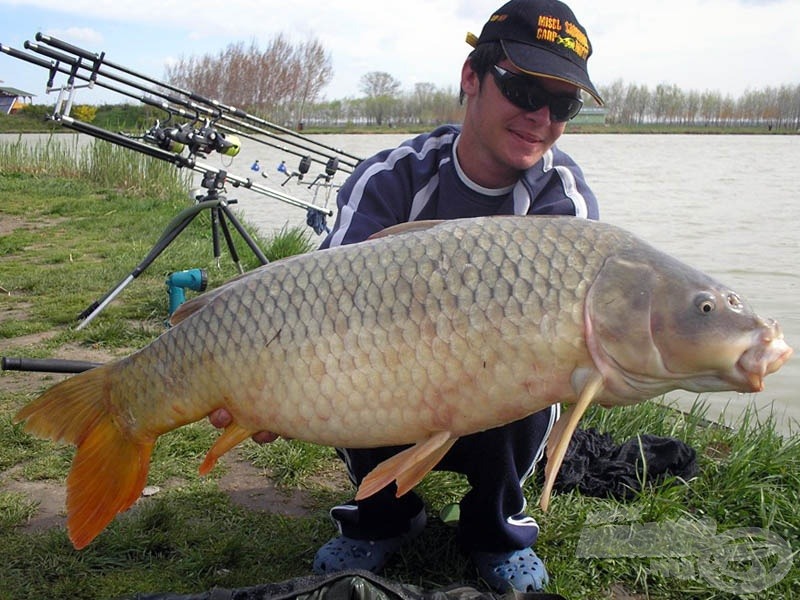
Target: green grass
(15,508)
(75,236)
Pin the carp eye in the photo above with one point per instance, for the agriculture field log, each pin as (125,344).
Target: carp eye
(734,302)
(705,303)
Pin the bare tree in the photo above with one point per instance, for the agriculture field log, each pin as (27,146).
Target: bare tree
(379,83)
(614,97)
(381,90)
(315,63)
(277,82)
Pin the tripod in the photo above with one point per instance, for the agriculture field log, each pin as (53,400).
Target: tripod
(220,216)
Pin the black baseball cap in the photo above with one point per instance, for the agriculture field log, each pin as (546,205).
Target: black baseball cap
(541,38)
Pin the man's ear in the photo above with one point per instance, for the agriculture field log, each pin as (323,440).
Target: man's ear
(470,83)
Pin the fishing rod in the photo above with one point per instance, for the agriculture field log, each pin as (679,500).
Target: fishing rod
(200,135)
(199,141)
(179,160)
(98,65)
(100,58)
(46,365)
(195,111)
(166,104)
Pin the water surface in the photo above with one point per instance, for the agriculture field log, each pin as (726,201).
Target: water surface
(724,204)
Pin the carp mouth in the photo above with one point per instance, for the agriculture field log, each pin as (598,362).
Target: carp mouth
(760,352)
(761,359)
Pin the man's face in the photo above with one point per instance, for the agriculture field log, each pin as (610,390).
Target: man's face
(500,139)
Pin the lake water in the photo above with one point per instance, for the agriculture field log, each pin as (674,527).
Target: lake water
(724,204)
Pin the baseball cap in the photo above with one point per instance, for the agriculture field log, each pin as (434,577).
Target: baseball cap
(541,38)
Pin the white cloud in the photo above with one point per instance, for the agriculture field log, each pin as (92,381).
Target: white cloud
(79,35)
(725,45)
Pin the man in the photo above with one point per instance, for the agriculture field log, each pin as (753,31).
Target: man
(522,83)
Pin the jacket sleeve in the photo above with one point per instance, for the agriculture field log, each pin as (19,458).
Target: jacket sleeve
(381,190)
(557,186)
(371,199)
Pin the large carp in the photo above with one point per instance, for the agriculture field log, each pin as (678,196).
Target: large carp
(429,332)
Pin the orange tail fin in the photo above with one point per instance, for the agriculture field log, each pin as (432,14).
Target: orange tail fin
(110,467)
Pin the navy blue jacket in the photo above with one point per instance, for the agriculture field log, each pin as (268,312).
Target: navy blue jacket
(421,179)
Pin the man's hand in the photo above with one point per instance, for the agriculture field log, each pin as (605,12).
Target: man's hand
(221,418)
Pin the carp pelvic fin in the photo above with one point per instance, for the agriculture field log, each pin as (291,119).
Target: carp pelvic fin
(408,467)
(110,467)
(562,434)
(233,435)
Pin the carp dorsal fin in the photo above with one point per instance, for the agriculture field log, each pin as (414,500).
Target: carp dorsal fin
(562,434)
(407,467)
(188,308)
(402,228)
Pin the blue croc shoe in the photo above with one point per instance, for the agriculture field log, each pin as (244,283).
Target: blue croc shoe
(344,553)
(520,570)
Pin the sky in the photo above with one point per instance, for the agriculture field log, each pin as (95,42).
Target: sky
(728,46)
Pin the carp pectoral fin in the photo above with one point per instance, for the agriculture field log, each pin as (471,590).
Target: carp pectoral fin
(407,467)
(233,435)
(562,434)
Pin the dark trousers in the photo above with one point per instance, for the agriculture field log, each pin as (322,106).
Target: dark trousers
(496,463)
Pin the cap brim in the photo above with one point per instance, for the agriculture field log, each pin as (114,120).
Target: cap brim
(538,61)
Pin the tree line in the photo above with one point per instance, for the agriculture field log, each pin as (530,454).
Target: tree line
(284,83)
(631,104)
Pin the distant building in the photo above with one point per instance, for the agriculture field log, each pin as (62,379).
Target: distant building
(12,99)
(593,115)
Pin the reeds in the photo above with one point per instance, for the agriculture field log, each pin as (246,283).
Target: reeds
(96,161)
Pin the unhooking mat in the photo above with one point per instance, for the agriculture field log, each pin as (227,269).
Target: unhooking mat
(595,466)
(348,585)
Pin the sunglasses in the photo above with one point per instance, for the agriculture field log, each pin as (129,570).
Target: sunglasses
(527,94)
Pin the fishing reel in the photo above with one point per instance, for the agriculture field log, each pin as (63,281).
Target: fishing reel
(158,136)
(205,140)
(202,141)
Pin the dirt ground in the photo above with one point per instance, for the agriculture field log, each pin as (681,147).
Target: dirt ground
(247,485)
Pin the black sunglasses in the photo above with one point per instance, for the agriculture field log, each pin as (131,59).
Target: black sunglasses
(528,94)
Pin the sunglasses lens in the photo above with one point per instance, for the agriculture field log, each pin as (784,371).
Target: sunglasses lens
(529,95)
(523,95)
(565,109)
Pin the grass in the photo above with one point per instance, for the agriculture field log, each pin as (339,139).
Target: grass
(67,237)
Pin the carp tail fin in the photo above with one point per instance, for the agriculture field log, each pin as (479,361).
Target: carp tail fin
(408,467)
(110,466)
